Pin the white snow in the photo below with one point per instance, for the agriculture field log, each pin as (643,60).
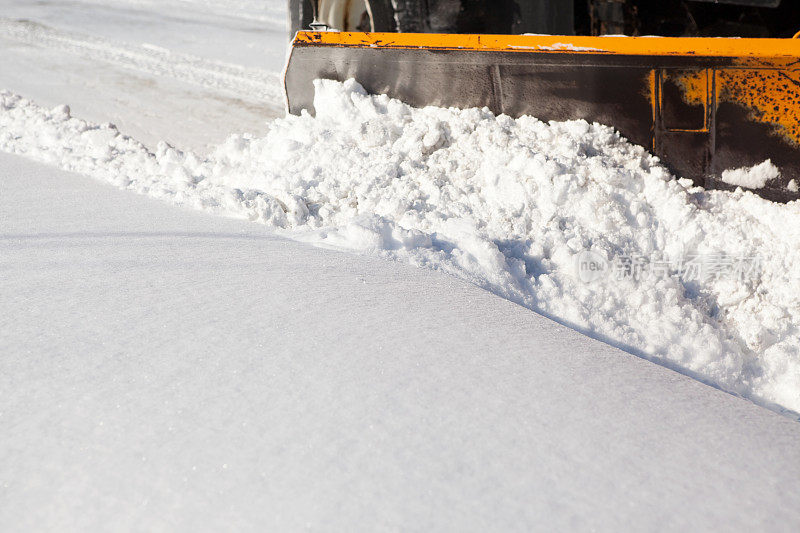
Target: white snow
(250,33)
(506,204)
(166,370)
(150,59)
(569,47)
(754,177)
(178,70)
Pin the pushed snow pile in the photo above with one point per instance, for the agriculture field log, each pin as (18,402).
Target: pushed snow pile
(752,177)
(565,218)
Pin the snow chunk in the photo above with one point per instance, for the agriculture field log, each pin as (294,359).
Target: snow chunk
(752,177)
(61,112)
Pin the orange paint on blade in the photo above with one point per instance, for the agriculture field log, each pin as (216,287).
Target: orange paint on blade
(770,96)
(658,46)
(694,84)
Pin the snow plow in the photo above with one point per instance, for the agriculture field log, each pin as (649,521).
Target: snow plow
(703,105)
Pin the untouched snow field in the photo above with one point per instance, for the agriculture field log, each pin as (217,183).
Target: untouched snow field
(510,205)
(167,370)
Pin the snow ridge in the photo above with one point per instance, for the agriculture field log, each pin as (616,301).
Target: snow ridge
(510,205)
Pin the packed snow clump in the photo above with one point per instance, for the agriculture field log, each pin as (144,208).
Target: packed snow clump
(754,177)
(565,218)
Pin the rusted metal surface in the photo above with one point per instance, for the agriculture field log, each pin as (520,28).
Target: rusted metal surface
(702,114)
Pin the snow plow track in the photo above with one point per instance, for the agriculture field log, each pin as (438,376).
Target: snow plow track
(241,81)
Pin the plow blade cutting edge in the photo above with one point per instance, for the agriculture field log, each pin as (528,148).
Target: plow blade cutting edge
(704,105)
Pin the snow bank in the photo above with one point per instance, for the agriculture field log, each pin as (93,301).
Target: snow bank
(565,218)
(754,177)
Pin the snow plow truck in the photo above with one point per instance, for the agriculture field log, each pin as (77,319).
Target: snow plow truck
(717,89)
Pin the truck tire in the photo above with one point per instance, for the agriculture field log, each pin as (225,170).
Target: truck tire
(300,16)
(380,14)
(410,16)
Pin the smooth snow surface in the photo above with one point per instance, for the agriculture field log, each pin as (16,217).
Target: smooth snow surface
(754,177)
(510,205)
(165,370)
